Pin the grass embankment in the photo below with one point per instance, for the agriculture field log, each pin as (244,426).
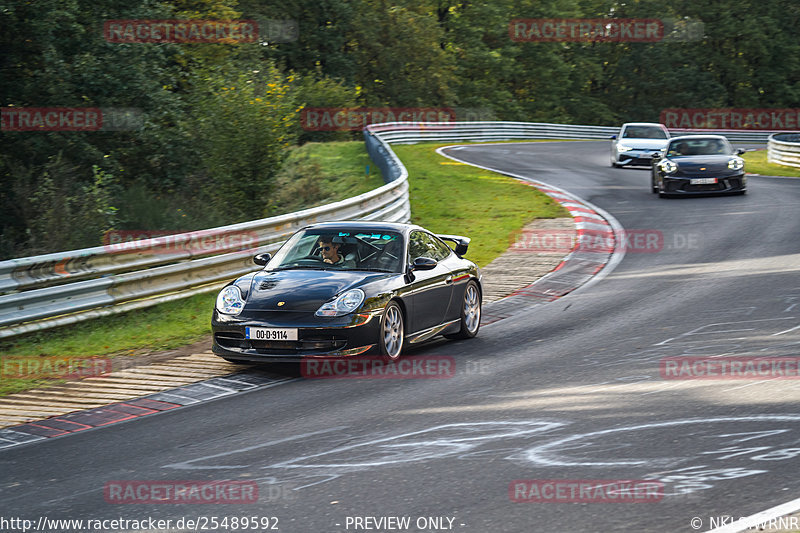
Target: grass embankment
(446,197)
(451,197)
(756,163)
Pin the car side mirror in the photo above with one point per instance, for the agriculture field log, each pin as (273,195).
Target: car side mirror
(262,259)
(656,156)
(740,151)
(424,263)
(613,137)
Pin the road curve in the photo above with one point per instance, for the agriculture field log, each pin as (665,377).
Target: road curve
(566,391)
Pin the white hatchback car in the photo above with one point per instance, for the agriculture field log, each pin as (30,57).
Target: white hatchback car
(636,143)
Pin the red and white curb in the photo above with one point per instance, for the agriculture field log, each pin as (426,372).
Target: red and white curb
(581,268)
(77,421)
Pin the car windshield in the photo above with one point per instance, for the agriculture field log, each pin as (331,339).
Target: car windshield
(688,147)
(341,249)
(644,132)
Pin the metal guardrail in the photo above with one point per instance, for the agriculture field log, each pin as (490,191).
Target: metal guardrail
(66,287)
(784,149)
(407,132)
(63,288)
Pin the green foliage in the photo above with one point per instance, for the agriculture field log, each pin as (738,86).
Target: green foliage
(242,124)
(318,90)
(60,207)
(320,173)
(207,154)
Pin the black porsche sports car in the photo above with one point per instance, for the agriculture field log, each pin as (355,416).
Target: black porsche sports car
(698,164)
(340,289)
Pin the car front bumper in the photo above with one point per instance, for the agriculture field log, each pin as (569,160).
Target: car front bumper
(681,185)
(635,157)
(318,337)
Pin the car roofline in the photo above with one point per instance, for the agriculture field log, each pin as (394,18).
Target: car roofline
(701,136)
(644,124)
(364,225)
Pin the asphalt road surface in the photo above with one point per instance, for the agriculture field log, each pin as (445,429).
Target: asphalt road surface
(572,390)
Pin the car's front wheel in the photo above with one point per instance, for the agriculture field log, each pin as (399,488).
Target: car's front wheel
(390,342)
(470,313)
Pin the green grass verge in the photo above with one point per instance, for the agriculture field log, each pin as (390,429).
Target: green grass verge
(161,327)
(446,197)
(756,163)
(321,173)
(451,197)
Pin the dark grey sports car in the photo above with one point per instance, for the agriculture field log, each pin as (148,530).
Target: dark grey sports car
(698,164)
(341,289)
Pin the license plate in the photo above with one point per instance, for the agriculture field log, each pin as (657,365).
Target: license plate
(271,334)
(703,181)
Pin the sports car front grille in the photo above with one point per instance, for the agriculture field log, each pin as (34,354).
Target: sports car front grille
(232,340)
(719,186)
(637,161)
(723,184)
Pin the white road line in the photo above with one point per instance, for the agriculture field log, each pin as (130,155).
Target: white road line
(616,227)
(788,330)
(748,385)
(757,519)
(662,389)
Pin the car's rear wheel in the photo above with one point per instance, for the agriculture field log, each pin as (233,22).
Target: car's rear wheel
(470,313)
(390,342)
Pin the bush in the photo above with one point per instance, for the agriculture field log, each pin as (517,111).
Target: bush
(241,125)
(60,212)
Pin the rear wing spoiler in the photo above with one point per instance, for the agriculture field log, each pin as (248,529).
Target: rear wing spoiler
(462,243)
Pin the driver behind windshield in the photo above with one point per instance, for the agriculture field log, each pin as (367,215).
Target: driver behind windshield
(330,253)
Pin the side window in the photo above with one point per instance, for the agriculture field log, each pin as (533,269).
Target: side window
(421,244)
(442,249)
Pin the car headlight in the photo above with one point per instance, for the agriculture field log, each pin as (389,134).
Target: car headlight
(668,166)
(623,148)
(737,163)
(347,302)
(230,301)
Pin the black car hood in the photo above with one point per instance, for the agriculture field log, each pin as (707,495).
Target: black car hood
(303,290)
(711,163)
